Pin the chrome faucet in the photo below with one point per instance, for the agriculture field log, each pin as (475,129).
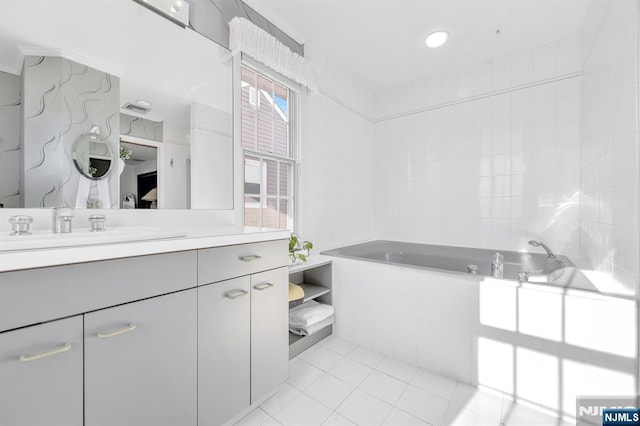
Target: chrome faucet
(61,223)
(544,246)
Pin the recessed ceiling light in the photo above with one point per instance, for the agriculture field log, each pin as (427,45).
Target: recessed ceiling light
(436,38)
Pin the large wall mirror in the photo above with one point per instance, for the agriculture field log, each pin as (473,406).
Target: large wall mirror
(105,104)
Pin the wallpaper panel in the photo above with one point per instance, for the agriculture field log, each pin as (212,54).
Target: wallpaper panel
(63,100)
(10,113)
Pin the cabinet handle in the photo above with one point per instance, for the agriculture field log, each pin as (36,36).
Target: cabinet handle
(235,294)
(250,258)
(127,329)
(29,358)
(263,286)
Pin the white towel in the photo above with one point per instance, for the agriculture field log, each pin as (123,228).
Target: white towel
(307,331)
(309,313)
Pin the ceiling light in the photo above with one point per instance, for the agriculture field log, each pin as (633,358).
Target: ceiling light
(436,38)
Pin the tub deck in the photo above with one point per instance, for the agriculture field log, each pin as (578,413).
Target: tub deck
(558,271)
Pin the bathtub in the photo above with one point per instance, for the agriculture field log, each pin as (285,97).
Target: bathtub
(538,266)
(542,342)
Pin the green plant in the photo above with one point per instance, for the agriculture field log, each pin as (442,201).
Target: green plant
(297,247)
(125,153)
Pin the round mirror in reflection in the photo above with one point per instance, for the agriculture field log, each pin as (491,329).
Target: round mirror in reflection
(93,156)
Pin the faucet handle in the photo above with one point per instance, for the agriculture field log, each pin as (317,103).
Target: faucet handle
(97,222)
(20,225)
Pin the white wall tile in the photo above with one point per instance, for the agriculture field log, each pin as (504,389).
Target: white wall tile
(568,55)
(501,73)
(522,68)
(544,62)
(608,138)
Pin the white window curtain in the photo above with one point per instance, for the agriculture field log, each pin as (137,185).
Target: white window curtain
(252,40)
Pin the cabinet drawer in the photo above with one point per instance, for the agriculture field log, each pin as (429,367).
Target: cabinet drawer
(38,295)
(222,263)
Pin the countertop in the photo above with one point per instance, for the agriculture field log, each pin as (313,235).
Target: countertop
(195,239)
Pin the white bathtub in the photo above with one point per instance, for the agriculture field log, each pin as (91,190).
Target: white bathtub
(538,343)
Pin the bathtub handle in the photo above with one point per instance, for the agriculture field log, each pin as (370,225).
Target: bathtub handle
(472,269)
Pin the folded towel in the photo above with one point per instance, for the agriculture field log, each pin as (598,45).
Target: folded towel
(295,292)
(309,313)
(307,331)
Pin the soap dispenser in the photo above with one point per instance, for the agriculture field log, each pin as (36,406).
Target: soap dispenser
(497,265)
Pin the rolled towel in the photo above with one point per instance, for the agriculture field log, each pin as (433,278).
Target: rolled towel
(309,313)
(307,331)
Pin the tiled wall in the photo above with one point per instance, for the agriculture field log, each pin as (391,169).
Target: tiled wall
(336,184)
(609,144)
(486,157)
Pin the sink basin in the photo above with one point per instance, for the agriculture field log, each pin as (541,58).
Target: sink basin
(41,239)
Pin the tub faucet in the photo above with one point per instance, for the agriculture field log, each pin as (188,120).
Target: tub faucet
(61,220)
(544,246)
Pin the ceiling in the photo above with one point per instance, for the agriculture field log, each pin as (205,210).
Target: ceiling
(380,42)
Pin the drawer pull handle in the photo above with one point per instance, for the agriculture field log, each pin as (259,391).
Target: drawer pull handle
(235,294)
(262,287)
(127,329)
(250,258)
(29,358)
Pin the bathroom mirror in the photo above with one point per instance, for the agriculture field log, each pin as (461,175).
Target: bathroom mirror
(69,65)
(92,156)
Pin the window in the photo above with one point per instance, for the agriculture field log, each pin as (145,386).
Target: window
(269,144)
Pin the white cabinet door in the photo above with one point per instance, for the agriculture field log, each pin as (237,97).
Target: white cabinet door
(41,374)
(223,350)
(269,331)
(140,362)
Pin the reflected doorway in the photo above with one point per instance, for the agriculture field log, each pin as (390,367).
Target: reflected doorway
(139,160)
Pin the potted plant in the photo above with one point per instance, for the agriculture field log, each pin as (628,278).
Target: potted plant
(299,250)
(125,154)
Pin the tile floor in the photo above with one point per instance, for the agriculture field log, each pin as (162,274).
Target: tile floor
(338,382)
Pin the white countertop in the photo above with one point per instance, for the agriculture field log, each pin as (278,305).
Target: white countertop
(194,239)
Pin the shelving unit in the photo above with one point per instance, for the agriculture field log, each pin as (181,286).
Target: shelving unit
(315,278)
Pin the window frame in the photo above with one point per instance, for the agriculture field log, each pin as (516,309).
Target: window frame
(293,136)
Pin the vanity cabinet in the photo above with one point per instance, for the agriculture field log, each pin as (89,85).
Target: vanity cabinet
(41,374)
(224,350)
(243,350)
(183,338)
(269,331)
(140,362)
(242,328)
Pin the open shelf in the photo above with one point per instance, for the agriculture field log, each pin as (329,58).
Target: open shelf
(299,344)
(312,291)
(315,278)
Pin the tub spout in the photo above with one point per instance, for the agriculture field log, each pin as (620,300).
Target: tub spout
(544,246)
